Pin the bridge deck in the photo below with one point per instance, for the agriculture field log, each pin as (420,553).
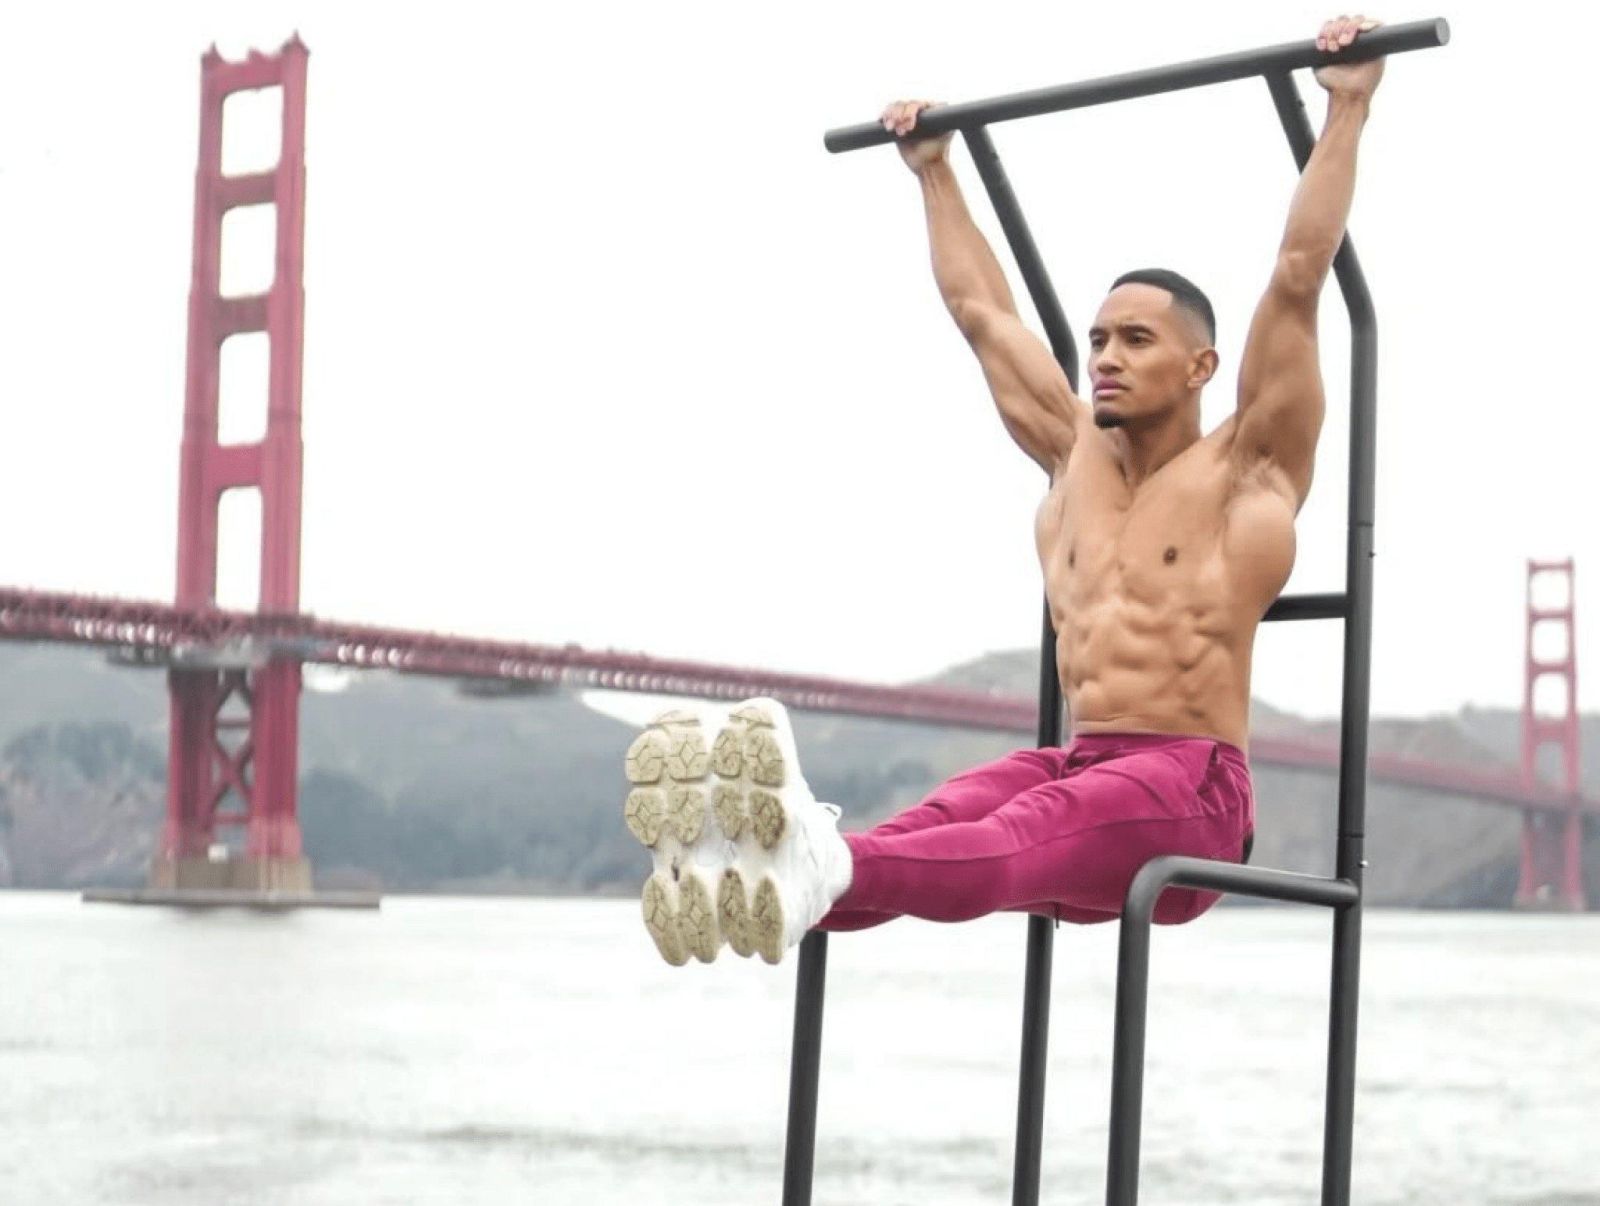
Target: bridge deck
(162,633)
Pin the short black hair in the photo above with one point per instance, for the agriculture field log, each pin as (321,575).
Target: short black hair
(1185,293)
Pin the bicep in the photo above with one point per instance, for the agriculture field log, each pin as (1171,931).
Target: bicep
(1281,404)
(1035,400)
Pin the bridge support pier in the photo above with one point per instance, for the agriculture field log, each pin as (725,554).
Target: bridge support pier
(233,731)
(230,874)
(1552,865)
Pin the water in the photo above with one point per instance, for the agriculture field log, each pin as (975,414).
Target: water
(514,1051)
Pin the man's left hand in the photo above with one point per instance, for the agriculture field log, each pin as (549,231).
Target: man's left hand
(1357,80)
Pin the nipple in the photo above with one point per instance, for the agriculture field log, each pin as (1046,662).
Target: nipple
(1170,555)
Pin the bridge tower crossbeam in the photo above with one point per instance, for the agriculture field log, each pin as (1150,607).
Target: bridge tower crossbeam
(1552,868)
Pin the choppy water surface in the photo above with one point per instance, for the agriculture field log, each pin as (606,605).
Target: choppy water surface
(517,1051)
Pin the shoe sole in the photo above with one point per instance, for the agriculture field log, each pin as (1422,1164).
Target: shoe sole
(748,800)
(667,811)
(660,906)
(697,916)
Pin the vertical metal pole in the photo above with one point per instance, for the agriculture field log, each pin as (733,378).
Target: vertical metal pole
(1041,937)
(1339,1120)
(1027,1161)
(1029,1153)
(1127,1060)
(805,1061)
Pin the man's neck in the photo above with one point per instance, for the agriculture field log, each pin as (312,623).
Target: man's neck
(1143,450)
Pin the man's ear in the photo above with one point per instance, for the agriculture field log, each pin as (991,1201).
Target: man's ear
(1203,368)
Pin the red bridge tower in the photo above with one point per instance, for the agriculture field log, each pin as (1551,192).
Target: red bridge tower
(1552,872)
(235,713)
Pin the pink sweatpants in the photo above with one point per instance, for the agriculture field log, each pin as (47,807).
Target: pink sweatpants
(1060,832)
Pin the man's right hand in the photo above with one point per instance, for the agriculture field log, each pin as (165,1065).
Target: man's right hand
(900,119)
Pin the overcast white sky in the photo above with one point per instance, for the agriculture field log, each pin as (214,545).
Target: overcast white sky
(582,284)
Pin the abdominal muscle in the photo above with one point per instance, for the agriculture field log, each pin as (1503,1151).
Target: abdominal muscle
(1176,682)
(1156,595)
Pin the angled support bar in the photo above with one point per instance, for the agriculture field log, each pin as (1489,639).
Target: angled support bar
(1268,60)
(1040,291)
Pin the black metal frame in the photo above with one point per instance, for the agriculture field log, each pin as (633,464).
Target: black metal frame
(1341,892)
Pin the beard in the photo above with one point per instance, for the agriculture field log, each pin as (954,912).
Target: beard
(1107,419)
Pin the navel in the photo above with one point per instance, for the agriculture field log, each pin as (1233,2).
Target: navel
(1170,555)
(1072,557)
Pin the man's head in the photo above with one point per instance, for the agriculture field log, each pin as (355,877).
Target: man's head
(1150,349)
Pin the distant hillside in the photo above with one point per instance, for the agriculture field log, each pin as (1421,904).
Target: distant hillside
(410,785)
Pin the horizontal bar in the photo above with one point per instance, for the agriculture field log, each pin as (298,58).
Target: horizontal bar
(238,315)
(233,465)
(1390,39)
(258,188)
(1179,871)
(1564,666)
(1309,607)
(245,75)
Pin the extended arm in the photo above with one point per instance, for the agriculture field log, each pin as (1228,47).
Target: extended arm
(1280,407)
(1035,401)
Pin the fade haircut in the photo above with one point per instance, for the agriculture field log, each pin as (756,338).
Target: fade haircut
(1186,294)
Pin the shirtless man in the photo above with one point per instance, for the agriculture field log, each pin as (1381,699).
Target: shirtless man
(1162,548)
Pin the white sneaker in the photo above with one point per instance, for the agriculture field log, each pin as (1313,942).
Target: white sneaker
(790,864)
(669,811)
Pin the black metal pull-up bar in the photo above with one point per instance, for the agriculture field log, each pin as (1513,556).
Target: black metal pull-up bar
(1268,60)
(1353,606)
